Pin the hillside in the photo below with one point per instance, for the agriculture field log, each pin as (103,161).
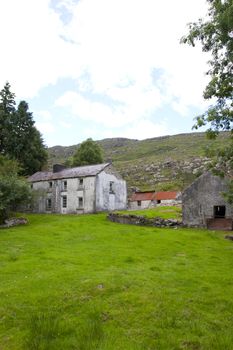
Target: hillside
(162,162)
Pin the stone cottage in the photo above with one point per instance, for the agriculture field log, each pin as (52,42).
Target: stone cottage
(85,189)
(204,205)
(150,199)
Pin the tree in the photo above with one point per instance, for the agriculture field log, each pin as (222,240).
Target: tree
(89,152)
(216,36)
(7,109)
(20,139)
(14,191)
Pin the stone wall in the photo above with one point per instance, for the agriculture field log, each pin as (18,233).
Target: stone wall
(143,221)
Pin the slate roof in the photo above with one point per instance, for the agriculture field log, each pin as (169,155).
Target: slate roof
(82,171)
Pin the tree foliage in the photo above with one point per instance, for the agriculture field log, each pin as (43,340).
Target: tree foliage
(89,152)
(216,36)
(14,191)
(19,138)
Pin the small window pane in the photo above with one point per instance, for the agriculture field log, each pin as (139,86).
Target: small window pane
(64,202)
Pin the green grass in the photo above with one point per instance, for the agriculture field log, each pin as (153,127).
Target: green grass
(81,282)
(168,212)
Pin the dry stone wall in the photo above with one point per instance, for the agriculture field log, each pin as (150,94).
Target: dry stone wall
(143,221)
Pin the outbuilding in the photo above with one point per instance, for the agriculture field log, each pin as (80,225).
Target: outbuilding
(203,204)
(150,199)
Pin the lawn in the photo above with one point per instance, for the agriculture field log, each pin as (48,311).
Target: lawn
(166,212)
(81,282)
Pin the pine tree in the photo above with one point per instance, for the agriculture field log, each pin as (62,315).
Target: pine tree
(20,140)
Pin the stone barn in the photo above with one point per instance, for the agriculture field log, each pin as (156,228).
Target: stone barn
(203,204)
(85,189)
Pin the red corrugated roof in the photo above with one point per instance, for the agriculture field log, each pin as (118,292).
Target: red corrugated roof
(165,195)
(150,196)
(143,196)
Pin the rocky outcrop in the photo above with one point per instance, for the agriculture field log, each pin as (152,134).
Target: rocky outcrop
(162,172)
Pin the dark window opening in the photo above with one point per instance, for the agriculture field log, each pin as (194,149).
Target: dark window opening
(80,202)
(64,185)
(139,203)
(159,201)
(81,182)
(49,204)
(111,189)
(64,202)
(50,184)
(219,211)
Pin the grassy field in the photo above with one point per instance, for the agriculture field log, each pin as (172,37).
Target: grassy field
(84,283)
(166,212)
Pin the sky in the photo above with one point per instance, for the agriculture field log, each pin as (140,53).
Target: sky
(104,68)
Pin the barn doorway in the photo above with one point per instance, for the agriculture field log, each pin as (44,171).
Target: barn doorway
(219,211)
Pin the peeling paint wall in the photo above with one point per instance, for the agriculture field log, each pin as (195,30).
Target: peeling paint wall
(69,188)
(111,191)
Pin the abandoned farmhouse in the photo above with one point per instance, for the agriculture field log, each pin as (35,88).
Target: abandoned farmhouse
(96,188)
(85,189)
(203,204)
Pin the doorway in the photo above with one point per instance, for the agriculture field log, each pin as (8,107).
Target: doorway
(219,211)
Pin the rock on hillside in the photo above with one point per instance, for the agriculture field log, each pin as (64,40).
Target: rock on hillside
(168,162)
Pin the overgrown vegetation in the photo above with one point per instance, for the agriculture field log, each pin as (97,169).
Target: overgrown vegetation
(14,190)
(71,282)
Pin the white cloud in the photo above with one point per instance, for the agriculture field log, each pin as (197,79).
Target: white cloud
(111,49)
(45,127)
(44,115)
(65,125)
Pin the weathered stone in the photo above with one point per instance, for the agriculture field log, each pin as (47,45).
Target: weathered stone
(14,222)
(230,237)
(143,221)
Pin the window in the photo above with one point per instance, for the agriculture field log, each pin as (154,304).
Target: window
(158,201)
(111,184)
(219,211)
(139,203)
(64,185)
(64,201)
(48,204)
(50,184)
(80,202)
(80,183)
(31,186)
